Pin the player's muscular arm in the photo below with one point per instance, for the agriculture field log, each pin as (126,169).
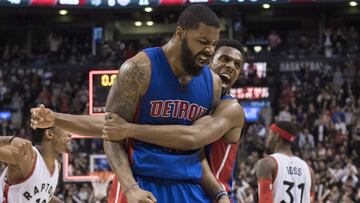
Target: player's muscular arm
(265,172)
(18,153)
(228,118)
(42,117)
(217,85)
(131,83)
(80,124)
(208,181)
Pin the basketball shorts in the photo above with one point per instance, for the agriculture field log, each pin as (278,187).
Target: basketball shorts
(165,191)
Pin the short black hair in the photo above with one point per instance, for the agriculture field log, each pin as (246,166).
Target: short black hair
(231,43)
(193,15)
(288,127)
(37,135)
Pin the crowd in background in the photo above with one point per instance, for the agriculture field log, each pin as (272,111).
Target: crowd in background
(324,103)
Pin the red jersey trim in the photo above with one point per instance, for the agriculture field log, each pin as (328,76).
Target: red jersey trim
(26,177)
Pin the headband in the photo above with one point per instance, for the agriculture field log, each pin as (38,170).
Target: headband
(283,133)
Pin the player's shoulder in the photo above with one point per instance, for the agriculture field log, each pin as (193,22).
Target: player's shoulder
(232,107)
(265,166)
(139,61)
(267,161)
(216,78)
(217,85)
(136,69)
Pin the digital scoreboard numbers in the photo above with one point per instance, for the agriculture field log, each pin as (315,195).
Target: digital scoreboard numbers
(100,82)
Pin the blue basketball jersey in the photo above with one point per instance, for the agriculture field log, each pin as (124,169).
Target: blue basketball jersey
(168,102)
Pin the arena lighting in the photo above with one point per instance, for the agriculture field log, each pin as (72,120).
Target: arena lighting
(148,9)
(149,23)
(257,49)
(138,23)
(266,6)
(353,3)
(63,12)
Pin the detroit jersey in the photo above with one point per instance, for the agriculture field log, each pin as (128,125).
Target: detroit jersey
(171,175)
(168,102)
(39,187)
(293,180)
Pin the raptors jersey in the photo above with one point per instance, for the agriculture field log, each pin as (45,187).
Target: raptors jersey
(38,187)
(293,180)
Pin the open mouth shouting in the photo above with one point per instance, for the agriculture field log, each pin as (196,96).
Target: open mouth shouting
(226,79)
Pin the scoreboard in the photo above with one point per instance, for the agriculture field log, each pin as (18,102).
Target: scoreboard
(100,82)
(142,3)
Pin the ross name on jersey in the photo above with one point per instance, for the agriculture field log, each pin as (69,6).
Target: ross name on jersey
(294,170)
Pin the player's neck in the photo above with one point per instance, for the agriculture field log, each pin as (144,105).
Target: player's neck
(49,155)
(172,52)
(284,149)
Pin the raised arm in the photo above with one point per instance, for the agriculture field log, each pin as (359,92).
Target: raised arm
(17,152)
(227,120)
(131,83)
(86,125)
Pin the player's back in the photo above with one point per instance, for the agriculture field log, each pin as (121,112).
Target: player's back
(293,180)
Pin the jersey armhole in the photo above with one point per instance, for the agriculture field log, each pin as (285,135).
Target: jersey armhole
(26,177)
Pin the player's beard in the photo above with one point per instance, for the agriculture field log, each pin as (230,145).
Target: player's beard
(188,60)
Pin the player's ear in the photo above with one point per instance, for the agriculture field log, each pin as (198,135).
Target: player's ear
(276,136)
(180,33)
(49,134)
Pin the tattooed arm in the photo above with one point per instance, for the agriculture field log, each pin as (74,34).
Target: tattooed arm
(227,121)
(130,84)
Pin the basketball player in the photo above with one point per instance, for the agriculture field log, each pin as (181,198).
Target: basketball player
(32,172)
(283,177)
(177,69)
(227,63)
(227,121)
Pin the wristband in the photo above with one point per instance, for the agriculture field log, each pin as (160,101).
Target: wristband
(220,194)
(11,139)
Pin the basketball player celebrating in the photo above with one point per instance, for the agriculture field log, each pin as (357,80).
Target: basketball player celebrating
(283,177)
(32,172)
(227,62)
(226,121)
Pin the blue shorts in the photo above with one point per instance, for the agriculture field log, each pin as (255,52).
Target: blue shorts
(173,191)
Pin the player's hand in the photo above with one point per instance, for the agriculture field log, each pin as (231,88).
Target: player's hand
(224,199)
(115,128)
(21,149)
(42,117)
(138,195)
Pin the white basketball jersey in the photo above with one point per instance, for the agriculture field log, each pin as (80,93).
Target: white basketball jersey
(38,188)
(293,180)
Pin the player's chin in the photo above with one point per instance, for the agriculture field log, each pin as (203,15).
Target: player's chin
(201,63)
